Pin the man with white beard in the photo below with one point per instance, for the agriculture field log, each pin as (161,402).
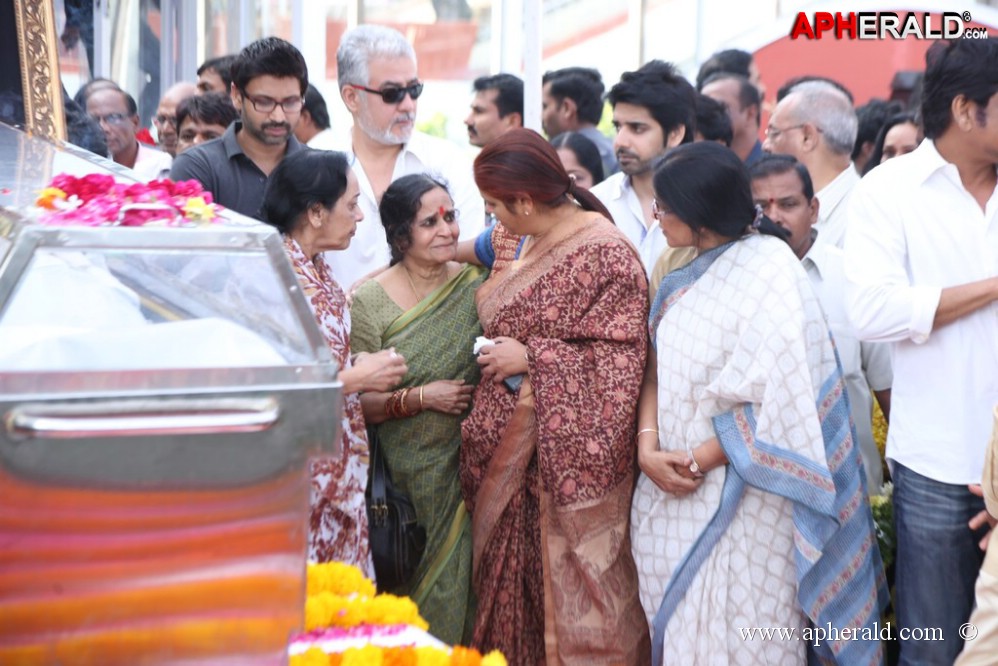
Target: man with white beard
(378,84)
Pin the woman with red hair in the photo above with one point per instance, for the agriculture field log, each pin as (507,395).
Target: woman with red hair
(548,453)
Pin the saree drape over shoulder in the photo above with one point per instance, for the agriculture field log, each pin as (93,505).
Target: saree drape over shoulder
(783,534)
(338,520)
(548,471)
(436,339)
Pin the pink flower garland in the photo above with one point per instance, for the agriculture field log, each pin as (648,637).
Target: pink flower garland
(99,200)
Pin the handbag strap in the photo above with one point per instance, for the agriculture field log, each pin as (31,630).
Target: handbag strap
(379,470)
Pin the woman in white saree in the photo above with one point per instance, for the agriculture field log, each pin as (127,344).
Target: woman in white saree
(750,510)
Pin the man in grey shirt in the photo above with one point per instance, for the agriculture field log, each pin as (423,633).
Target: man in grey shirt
(573,102)
(269,79)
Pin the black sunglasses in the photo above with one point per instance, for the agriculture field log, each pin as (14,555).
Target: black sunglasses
(394,94)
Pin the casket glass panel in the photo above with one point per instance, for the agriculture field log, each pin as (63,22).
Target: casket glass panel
(162,391)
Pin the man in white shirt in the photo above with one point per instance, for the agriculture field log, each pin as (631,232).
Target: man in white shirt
(817,124)
(378,84)
(782,187)
(921,269)
(654,109)
(116,113)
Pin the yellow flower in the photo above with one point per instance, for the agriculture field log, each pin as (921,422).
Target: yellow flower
(338,578)
(369,655)
(47,196)
(311,657)
(431,656)
(198,210)
(494,658)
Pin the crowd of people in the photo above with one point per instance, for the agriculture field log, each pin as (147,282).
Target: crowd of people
(667,436)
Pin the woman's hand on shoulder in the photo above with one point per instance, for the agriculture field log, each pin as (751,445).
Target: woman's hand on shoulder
(380,371)
(670,471)
(447,396)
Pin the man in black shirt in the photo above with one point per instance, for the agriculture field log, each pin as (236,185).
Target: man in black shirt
(269,78)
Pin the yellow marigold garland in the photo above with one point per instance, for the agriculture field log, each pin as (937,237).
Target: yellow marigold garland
(338,578)
(371,655)
(332,610)
(340,596)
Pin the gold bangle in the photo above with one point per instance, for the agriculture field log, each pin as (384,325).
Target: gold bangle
(420,398)
(643,430)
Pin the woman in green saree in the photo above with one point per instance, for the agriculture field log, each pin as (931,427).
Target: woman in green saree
(424,307)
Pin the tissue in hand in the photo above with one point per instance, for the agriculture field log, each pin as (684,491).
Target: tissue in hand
(481,341)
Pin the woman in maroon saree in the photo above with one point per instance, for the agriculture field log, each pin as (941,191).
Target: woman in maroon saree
(547,469)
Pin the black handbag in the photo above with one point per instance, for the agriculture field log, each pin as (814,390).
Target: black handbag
(397,539)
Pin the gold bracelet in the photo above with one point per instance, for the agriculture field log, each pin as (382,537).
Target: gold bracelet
(643,430)
(420,398)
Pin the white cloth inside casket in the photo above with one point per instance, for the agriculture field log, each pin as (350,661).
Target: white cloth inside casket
(70,313)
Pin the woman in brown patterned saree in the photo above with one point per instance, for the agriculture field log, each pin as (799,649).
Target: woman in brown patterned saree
(547,468)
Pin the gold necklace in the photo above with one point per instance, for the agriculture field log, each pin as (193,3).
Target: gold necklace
(419,299)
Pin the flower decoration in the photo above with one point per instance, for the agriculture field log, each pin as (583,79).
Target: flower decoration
(341,605)
(372,655)
(882,507)
(98,200)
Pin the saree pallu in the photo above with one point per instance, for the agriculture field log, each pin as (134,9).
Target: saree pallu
(436,338)
(782,536)
(338,514)
(548,472)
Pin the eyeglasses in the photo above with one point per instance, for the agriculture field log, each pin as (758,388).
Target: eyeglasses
(658,211)
(773,132)
(268,104)
(394,94)
(161,120)
(110,118)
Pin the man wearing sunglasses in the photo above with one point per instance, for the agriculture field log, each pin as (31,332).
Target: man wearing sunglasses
(379,86)
(269,79)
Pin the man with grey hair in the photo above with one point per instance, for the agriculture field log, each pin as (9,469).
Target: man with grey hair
(378,84)
(816,123)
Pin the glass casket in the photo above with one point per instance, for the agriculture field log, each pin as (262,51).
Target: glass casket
(162,391)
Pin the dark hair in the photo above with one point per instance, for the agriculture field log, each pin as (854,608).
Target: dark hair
(509,92)
(870,118)
(730,61)
(212,108)
(300,181)
(707,187)
(878,147)
(659,87)
(269,56)
(713,121)
(399,205)
(967,67)
(521,163)
(222,65)
(84,92)
(774,165)
(585,151)
(133,109)
(582,85)
(748,94)
(315,104)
